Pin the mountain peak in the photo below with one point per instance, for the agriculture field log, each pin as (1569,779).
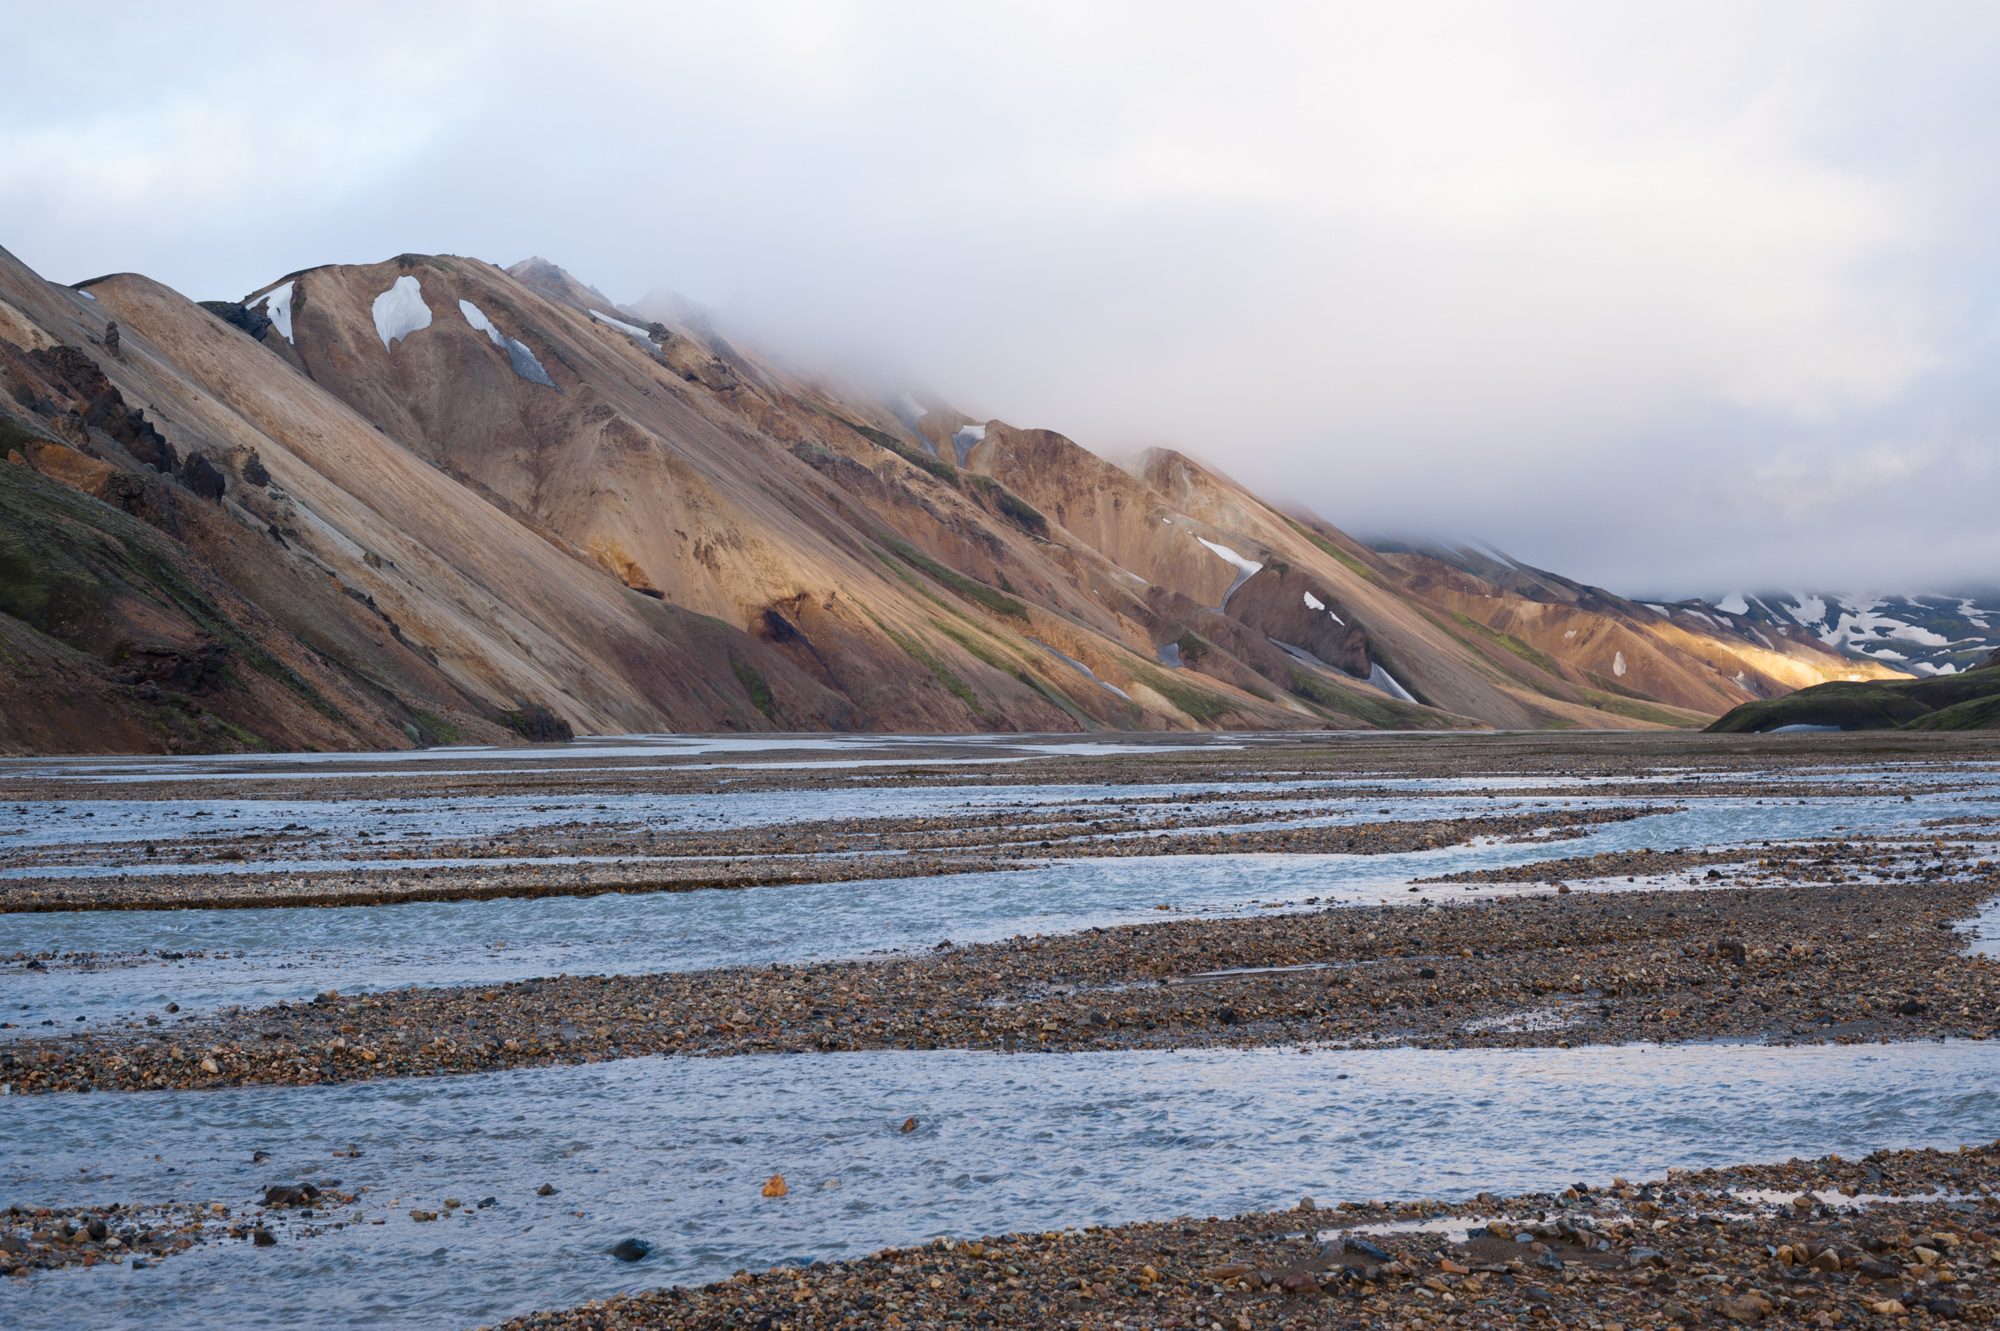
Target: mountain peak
(559,284)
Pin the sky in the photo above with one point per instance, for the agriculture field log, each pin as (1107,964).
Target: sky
(1674,298)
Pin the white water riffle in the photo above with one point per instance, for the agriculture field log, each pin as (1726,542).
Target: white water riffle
(676,1150)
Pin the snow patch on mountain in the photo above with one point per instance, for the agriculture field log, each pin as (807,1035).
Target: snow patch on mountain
(400,311)
(1247,567)
(277,303)
(1388,683)
(1304,657)
(477,318)
(1861,623)
(1921,632)
(630,330)
(966,439)
(1314,603)
(523,360)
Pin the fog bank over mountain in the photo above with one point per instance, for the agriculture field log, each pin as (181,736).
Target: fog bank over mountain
(1676,301)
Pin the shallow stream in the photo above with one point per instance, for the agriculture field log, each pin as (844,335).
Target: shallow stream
(676,1151)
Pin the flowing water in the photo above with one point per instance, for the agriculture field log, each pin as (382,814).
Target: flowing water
(675,1151)
(128,822)
(204,959)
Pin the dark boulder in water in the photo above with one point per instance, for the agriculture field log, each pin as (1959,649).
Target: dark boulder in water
(631,1250)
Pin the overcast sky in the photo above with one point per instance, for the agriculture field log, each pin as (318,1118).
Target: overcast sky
(1673,297)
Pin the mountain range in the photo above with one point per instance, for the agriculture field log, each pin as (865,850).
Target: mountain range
(1923,633)
(433,500)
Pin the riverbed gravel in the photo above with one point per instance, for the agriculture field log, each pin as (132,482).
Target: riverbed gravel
(1685,1251)
(1813,963)
(699,863)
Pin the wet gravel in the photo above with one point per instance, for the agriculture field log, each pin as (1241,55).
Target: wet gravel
(49,1238)
(1820,861)
(1878,961)
(696,863)
(1680,1252)
(45,1238)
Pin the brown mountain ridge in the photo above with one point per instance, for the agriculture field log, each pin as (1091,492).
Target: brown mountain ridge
(429,500)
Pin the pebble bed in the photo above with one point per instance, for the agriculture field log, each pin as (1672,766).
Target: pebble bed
(1679,1252)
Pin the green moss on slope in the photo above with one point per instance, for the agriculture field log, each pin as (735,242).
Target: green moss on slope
(1534,656)
(977,592)
(1200,704)
(1970,701)
(1381,713)
(754,684)
(1972,714)
(65,558)
(944,674)
(1011,506)
(937,467)
(1639,710)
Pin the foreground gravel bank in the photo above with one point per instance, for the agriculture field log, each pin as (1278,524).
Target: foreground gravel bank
(1694,1249)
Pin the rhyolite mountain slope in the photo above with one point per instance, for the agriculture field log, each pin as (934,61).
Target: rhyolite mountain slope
(1676,655)
(1920,633)
(1886,636)
(431,499)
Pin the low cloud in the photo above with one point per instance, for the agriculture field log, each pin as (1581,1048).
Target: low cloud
(1674,299)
